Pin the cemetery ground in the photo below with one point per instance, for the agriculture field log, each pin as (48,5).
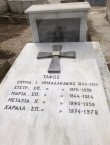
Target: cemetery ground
(12,40)
(13,37)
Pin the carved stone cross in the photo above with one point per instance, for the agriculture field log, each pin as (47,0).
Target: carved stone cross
(56,54)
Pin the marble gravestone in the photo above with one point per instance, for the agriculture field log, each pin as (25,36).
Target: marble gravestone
(66,108)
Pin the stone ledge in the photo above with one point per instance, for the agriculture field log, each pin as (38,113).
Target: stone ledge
(14,19)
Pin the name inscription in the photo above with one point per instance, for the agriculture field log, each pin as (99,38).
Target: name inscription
(76,97)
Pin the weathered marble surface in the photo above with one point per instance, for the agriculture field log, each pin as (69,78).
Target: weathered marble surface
(52,123)
(104,71)
(58,7)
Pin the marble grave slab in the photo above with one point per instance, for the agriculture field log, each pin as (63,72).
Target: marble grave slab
(67,108)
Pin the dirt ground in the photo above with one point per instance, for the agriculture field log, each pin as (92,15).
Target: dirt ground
(10,31)
(99,29)
(14,37)
(12,40)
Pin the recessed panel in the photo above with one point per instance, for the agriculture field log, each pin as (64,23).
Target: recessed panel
(59,30)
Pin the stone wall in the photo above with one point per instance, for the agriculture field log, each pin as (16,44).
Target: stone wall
(108,10)
(19,6)
(3,6)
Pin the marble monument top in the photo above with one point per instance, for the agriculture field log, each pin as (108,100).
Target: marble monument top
(60,7)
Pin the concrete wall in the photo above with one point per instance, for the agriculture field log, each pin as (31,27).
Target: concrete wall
(97,2)
(19,6)
(3,6)
(108,10)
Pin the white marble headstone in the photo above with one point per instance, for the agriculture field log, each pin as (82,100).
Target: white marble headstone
(67,108)
(71,17)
